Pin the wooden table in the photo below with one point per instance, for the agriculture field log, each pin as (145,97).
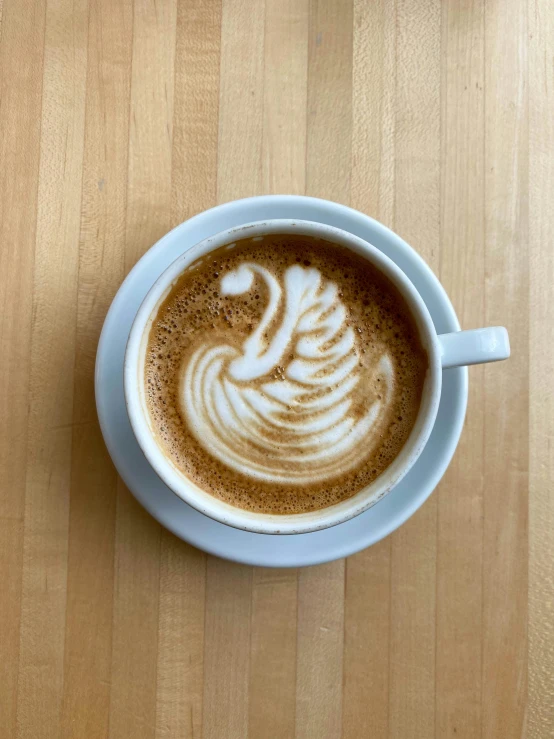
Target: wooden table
(119,120)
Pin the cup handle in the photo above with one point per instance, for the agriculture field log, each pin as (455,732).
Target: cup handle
(476,346)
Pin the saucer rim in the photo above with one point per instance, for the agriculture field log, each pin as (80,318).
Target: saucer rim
(215,544)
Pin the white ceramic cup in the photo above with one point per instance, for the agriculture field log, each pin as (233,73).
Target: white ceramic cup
(446,350)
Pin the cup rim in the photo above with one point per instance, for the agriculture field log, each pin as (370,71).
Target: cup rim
(262,522)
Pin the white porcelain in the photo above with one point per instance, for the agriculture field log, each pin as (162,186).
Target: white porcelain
(451,350)
(474,346)
(204,532)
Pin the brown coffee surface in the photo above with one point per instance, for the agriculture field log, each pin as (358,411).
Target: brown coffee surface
(323,420)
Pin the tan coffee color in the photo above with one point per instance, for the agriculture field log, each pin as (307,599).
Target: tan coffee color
(319,400)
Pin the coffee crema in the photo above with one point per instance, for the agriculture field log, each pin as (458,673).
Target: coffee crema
(283,373)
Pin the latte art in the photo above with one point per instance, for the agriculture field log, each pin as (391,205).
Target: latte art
(283,373)
(301,425)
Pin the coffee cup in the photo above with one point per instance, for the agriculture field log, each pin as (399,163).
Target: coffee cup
(443,351)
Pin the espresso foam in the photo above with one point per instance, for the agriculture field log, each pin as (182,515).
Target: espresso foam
(284,374)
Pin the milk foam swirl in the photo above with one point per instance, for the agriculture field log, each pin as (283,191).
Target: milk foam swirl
(282,409)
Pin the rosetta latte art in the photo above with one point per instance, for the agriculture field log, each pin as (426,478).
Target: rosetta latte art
(282,409)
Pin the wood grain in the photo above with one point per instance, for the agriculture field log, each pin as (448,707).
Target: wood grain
(273,653)
(45,545)
(195,116)
(226,649)
(180,669)
(137,535)
(90,577)
(239,172)
(462,272)
(119,120)
(285,88)
(21,62)
(541,448)
(505,545)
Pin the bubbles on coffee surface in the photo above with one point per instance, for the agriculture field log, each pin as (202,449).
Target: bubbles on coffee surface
(284,374)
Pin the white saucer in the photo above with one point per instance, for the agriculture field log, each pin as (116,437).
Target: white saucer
(203,532)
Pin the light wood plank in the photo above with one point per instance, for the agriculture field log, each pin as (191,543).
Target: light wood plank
(151,126)
(329,99)
(417,126)
(417,181)
(412,650)
(195,108)
(462,272)
(506,422)
(272,692)
(89,617)
(137,542)
(373,108)
(285,89)
(320,644)
(227,647)
(240,100)
(42,631)
(367,643)
(541,422)
(135,621)
(180,660)
(21,60)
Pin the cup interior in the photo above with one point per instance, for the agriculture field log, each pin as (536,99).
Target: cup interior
(139,416)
